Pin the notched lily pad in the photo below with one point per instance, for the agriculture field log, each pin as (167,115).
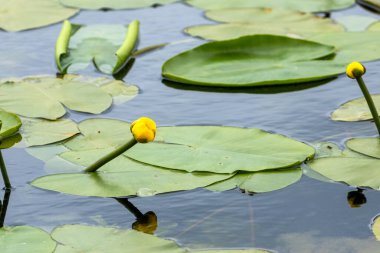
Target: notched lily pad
(25,239)
(220,149)
(252,61)
(18,15)
(355,110)
(114,4)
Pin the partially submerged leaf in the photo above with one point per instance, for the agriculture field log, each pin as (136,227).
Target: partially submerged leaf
(91,239)
(10,124)
(365,146)
(355,23)
(220,149)
(25,239)
(18,15)
(305,5)
(252,61)
(114,4)
(355,110)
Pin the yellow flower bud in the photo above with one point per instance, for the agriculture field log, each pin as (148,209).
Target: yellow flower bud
(143,130)
(355,70)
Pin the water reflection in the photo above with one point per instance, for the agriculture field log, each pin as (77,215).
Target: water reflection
(356,198)
(4,206)
(146,223)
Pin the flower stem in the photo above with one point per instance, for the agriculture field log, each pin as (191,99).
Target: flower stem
(370,102)
(4,173)
(105,159)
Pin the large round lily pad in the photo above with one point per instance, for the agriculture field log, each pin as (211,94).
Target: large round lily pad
(113,4)
(259,182)
(365,146)
(18,15)
(25,239)
(356,109)
(220,149)
(250,21)
(10,124)
(305,5)
(91,239)
(252,61)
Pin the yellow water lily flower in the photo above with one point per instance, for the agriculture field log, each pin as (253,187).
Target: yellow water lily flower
(143,130)
(355,70)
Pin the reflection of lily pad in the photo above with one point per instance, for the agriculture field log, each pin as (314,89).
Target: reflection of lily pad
(365,146)
(305,5)
(251,61)
(250,21)
(25,239)
(258,182)
(220,149)
(10,124)
(18,15)
(355,110)
(45,97)
(113,4)
(90,239)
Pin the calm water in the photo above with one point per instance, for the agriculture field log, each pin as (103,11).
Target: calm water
(309,216)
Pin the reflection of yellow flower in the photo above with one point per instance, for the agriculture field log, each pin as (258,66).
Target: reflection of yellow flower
(143,129)
(356,198)
(146,224)
(355,70)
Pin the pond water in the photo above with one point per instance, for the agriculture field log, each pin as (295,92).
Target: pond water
(309,216)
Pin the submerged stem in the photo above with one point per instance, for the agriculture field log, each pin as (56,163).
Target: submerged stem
(105,159)
(370,102)
(4,173)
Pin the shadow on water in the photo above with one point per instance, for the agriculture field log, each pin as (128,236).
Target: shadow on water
(274,89)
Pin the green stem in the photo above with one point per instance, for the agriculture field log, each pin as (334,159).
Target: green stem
(105,159)
(370,102)
(4,173)
(4,206)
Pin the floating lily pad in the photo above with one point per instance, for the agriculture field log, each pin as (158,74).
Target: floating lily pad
(262,21)
(114,4)
(376,227)
(42,132)
(305,5)
(25,239)
(252,61)
(354,171)
(259,182)
(220,149)
(352,46)
(10,141)
(10,124)
(107,46)
(91,239)
(374,27)
(365,146)
(18,15)
(355,110)
(355,23)
(45,97)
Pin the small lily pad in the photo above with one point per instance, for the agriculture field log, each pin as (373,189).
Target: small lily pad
(305,5)
(114,4)
(220,149)
(91,239)
(10,124)
(365,146)
(376,227)
(25,239)
(355,110)
(252,61)
(259,182)
(18,15)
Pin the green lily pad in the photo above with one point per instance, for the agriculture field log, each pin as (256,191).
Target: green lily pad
(10,124)
(91,239)
(45,97)
(365,146)
(42,132)
(355,110)
(114,4)
(25,239)
(10,141)
(376,227)
(356,23)
(250,21)
(354,171)
(107,46)
(374,27)
(232,251)
(18,15)
(259,182)
(305,5)
(220,149)
(352,46)
(252,61)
